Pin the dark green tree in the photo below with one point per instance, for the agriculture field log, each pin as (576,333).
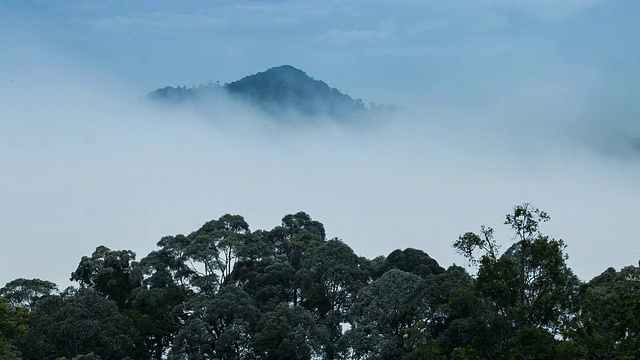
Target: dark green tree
(108,272)
(272,258)
(608,323)
(25,292)
(288,333)
(269,281)
(206,258)
(445,312)
(530,288)
(77,322)
(297,234)
(217,244)
(219,327)
(330,276)
(377,318)
(13,328)
(156,305)
(413,261)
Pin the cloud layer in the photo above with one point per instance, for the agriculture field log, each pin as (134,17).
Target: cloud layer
(501,104)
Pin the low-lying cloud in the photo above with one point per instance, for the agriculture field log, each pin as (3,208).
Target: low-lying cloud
(87,161)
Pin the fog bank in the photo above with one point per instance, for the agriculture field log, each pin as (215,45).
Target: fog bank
(87,160)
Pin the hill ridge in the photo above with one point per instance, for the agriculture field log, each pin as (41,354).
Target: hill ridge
(277,90)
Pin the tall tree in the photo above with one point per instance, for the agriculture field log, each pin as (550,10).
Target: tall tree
(25,292)
(13,329)
(378,322)
(219,327)
(530,286)
(206,257)
(77,322)
(108,272)
(608,323)
(270,282)
(280,252)
(297,234)
(288,333)
(445,312)
(413,261)
(216,245)
(331,274)
(156,305)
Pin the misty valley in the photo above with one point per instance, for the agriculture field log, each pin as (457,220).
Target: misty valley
(307,180)
(226,292)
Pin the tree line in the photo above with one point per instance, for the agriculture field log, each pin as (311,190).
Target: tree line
(226,292)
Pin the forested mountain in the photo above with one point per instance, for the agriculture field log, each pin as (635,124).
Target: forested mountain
(277,91)
(226,292)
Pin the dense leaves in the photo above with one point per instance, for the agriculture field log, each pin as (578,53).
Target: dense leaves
(107,272)
(608,321)
(225,292)
(25,292)
(77,322)
(378,320)
(13,328)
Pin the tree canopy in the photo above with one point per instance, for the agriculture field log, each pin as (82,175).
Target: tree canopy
(224,291)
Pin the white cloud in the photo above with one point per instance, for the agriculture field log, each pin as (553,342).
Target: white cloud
(498,117)
(89,166)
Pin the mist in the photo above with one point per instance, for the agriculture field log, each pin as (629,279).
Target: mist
(94,163)
(485,120)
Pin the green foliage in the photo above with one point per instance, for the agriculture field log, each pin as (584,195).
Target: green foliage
(529,289)
(413,261)
(525,222)
(330,275)
(377,316)
(155,305)
(467,244)
(608,321)
(288,332)
(270,281)
(297,235)
(218,327)
(89,356)
(77,322)
(13,328)
(224,292)
(442,310)
(206,258)
(216,246)
(464,354)
(25,292)
(156,318)
(108,272)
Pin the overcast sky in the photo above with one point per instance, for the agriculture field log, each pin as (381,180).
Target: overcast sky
(502,102)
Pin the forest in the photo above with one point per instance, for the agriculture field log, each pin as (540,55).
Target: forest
(226,292)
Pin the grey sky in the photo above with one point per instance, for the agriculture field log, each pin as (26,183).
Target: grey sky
(503,102)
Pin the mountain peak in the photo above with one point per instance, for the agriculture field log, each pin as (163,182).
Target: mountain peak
(288,88)
(281,78)
(279,91)
(285,69)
